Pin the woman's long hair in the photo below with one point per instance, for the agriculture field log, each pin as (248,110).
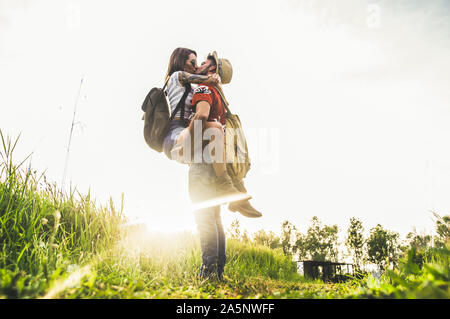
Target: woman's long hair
(178,60)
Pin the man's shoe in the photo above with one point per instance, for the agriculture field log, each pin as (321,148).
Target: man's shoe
(245,208)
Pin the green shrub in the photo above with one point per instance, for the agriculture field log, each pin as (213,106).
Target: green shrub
(43,231)
(410,280)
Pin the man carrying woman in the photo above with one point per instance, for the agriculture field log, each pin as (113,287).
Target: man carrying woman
(207,181)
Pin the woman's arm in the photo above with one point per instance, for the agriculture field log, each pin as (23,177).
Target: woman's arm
(185,77)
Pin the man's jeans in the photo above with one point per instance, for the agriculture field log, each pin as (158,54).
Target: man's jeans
(209,222)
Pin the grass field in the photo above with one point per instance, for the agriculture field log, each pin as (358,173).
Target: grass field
(57,245)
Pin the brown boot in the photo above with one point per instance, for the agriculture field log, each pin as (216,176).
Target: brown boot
(226,188)
(245,208)
(239,184)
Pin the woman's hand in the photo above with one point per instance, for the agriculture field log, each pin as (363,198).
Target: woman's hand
(214,79)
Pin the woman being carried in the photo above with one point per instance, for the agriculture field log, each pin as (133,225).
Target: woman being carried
(180,76)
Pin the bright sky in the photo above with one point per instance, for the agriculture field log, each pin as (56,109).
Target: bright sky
(345,103)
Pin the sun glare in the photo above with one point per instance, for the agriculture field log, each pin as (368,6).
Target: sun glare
(164,224)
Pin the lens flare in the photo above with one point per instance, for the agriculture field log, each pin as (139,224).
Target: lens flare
(217,201)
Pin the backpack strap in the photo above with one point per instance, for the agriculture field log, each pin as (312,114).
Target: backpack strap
(224,101)
(165,84)
(186,92)
(182,103)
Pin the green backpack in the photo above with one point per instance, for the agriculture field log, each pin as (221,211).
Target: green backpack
(158,116)
(236,150)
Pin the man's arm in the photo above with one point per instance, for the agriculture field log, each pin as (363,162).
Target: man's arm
(186,77)
(201,113)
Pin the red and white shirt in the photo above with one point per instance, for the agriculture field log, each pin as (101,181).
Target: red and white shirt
(208,93)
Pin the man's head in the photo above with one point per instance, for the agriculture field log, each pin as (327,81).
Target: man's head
(207,67)
(221,66)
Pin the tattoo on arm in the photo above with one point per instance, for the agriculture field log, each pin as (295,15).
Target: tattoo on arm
(185,77)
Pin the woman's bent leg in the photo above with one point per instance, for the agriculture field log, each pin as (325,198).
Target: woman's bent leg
(181,151)
(218,136)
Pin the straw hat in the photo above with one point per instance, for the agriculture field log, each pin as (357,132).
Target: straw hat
(224,68)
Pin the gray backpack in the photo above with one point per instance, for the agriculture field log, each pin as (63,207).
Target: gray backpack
(157,116)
